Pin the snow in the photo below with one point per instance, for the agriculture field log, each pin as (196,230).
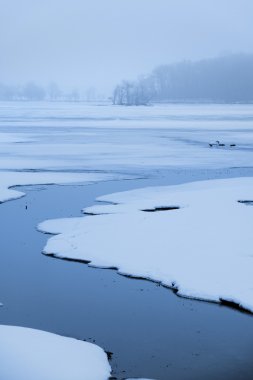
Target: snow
(12,138)
(10,179)
(81,136)
(28,354)
(203,249)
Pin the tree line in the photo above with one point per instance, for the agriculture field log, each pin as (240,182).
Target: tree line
(226,79)
(34,92)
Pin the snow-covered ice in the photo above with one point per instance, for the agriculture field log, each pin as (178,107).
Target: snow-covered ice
(80,136)
(203,249)
(28,354)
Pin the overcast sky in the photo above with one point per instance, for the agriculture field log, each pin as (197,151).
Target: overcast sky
(99,42)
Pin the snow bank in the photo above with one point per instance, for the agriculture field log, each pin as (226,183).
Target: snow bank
(203,249)
(10,179)
(27,354)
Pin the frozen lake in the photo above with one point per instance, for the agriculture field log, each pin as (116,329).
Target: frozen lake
(150,330)
(79,136)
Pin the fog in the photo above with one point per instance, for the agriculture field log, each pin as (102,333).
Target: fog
(225,79)
(81,43)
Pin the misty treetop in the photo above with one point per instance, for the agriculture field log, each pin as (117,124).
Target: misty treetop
(34,92)
(226,79)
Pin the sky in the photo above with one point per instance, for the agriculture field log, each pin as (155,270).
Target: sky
(85,43)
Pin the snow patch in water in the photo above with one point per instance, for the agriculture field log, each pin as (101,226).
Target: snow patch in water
(203,250)
(28,354)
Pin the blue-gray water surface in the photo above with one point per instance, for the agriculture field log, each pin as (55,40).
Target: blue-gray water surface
(150,331)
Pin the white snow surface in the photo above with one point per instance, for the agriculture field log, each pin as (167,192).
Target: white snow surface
(203,249)
(28,354)
(77,135)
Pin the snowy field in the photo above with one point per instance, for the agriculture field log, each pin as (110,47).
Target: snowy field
(87,137)
(195,238)
(200,245)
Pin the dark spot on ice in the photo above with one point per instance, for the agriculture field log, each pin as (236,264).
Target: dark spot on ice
(234,305)
(109,354)
(134,277)
(246,202)
(45,233)
(54,256)
(107,202)
(102,267)
(165,208)
(95,214)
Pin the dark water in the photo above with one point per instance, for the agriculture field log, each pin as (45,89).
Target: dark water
(151,332)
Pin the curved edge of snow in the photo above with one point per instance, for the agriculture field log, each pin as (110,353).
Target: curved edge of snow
(28,354)
(9,180)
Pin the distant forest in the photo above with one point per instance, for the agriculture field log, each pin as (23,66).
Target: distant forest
(32,91)
(227,79)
